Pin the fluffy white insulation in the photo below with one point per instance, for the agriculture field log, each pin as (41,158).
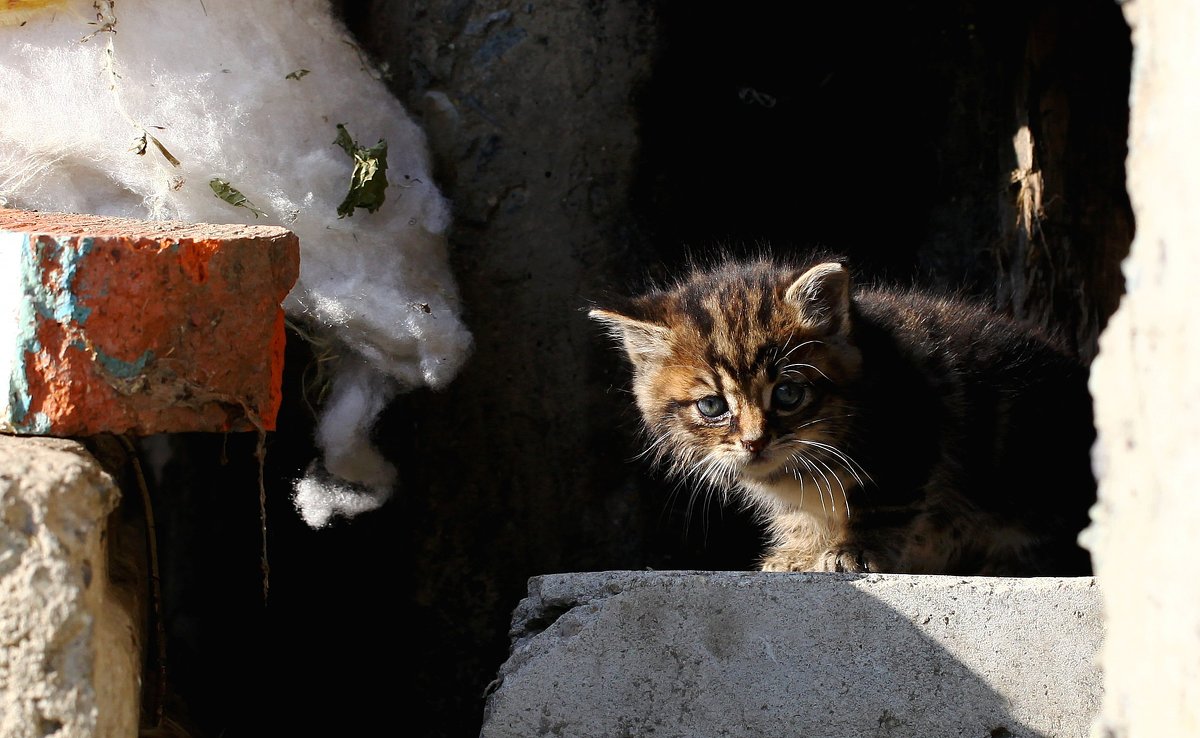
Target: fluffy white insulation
(251,94)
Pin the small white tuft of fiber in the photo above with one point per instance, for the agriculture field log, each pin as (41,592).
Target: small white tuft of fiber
(320,497)
(356,397)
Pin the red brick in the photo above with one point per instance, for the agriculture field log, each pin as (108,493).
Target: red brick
(121,325)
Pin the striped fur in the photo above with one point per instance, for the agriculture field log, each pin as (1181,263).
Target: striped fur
(871,429)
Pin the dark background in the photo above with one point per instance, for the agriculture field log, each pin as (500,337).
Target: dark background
(586,146)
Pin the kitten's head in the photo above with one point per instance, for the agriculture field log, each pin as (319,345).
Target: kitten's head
(740,373)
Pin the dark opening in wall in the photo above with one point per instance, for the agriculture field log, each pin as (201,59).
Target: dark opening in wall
(892,134)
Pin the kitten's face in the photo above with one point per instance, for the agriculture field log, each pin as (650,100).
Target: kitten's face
(740,375)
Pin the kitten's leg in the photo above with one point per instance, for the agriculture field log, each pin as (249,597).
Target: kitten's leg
(798,540)
(873,543)
(881,540)
(844,557)
(785,558)
(857,556)
(804,542)
(915,540)
(850,558)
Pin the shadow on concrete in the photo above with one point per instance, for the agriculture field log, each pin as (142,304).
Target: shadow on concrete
(721,654)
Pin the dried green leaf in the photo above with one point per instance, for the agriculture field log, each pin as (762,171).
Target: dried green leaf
(369,179)
(230,194)
(343,139)
(297,74)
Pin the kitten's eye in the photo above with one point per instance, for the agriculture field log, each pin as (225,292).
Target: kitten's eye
(713,406)
(787,395)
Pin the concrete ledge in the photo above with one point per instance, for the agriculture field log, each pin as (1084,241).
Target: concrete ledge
(701,654)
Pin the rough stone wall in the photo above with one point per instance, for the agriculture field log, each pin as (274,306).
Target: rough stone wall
(69,646)
(1146,385)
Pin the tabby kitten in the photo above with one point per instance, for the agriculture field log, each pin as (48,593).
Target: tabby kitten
(871,429)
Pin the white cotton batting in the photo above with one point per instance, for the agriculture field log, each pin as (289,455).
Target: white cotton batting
(251,94)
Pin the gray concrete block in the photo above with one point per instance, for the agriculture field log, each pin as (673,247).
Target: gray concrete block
(702,654)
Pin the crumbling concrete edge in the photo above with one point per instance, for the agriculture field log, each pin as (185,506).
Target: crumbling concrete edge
(70,643)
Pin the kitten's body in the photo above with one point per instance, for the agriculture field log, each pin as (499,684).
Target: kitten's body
(874,429)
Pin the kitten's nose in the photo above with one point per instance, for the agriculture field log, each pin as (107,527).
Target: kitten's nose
(754,445)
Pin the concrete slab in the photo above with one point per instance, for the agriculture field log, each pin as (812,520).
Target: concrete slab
(697,654)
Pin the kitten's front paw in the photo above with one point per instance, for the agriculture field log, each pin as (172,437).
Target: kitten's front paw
(787,561)
(848,558)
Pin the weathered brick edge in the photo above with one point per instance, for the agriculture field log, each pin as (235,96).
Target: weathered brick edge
(131,326)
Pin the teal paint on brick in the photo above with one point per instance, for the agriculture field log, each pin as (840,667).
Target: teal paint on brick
(57,299)
(112,365)
(38,425)
(124,369)
(49,267)
(19,396)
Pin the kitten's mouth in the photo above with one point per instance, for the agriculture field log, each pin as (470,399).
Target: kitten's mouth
(763,465)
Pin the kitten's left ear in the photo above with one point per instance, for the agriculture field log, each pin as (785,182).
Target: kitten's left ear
(644,342)
(821,297)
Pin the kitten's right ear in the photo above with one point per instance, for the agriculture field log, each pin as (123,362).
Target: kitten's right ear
(822,298)
(644,342)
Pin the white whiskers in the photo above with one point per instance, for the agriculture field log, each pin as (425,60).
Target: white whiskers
(817,460)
